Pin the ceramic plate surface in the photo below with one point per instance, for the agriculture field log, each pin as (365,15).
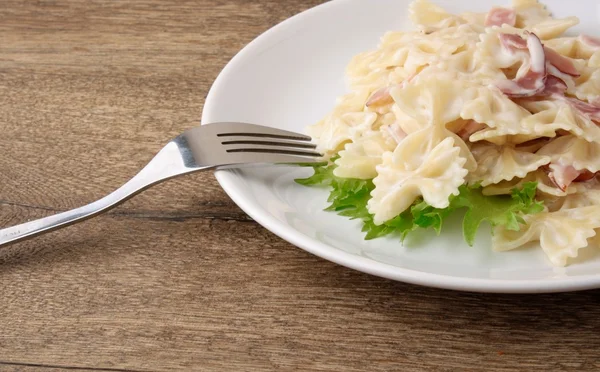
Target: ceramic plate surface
(289,77)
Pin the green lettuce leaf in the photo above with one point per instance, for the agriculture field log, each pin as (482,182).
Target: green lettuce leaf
(349,197)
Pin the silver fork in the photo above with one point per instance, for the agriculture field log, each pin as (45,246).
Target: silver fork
(211,146)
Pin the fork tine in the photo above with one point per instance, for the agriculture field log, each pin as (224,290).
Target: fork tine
(266,150)
(227,144)
(229,129)
(251,157)
(231,142)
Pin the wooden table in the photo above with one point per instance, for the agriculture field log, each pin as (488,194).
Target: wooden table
(180,278)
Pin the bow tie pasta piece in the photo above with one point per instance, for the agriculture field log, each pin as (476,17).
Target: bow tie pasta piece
(561,234)
(595,60)
(530,12)
(506,187)
(408,123)
(594,242)
(580,47)
(430,17)
(345,123)
(433,101)
(502,163)
(581,199)
(474,19)
(573,151)
(415,103)
(491,52)
(374,69)
(430,52)
(445,42)
(424,164)
(426,51)
(359,159)
(587,194)
(497,111)
(545,187)
(550,117)
(534,17)
(461,66)
(438,99)
(552,28)
(401,55)
(587,86)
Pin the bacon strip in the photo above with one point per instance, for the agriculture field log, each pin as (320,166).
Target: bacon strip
(469,128)
(562,64)
(512,42)
(533,81)
(592,111)
(500,16)
(542,61)
(380,97)
(396,132)
(554,86)
(562,175)
(590,40)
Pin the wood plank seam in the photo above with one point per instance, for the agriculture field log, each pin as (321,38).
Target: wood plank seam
(242,217)
(49,366)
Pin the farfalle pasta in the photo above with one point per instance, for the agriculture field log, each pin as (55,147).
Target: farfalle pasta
(497,113)
(503,163)
(561,234)
(426,163)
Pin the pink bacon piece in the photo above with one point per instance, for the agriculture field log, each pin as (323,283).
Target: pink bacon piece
(380,97)
(396,132)
(469,128)
(534,79)
(588,109)
(512,42)
(500,16)
(535,83)
(555,86)
(563,175)
(590,40)
(562,64)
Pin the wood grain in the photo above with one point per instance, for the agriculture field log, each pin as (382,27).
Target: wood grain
(179,278)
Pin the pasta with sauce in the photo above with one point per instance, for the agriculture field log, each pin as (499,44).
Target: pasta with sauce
(496,99)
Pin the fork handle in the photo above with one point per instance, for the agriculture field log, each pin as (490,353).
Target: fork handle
(34,228)
(166,164)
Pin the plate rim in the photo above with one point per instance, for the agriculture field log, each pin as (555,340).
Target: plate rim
(226,179)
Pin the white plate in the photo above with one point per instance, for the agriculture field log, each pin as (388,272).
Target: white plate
(289,78)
